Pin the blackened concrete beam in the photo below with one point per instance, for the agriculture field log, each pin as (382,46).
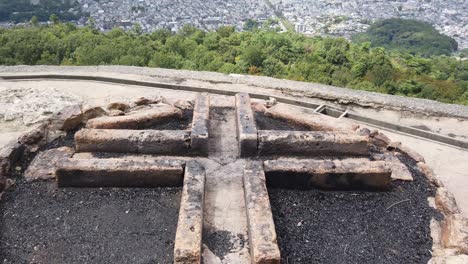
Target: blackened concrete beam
(246,127)
(200,125)
(137,120)
(346,174)
(188,241)
(301,143)
(262,235)
(166,142)
(118,173)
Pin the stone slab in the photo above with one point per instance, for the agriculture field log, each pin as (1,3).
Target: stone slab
(118,173)
(262,235)
(167,142)
(200,125)
(300,143)
(346,174)
(246,127)
(138,119)
(44,165)
(188,241)
(315,121)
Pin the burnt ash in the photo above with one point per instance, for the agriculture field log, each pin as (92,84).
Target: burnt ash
(43,224)
(315,226)
(264,122)
(176,124)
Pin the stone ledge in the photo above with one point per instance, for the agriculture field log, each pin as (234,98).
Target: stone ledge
(349,174)
(313,90)
(262,234)
(246,127)
(118,173)
(170,142)
(300,143)
(188,241)
(200,125)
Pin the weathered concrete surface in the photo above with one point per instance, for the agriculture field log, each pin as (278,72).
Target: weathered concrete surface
(44,165)
(349,174)
(275,142)
(118,173)
(188,241)
(399,170)
(200,125)
(137,120)
(246,128)
(262,235)
(314,121)
(168,142)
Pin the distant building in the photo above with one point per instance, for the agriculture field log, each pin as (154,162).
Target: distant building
(299,27)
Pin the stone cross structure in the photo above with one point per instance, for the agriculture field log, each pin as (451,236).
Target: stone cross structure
(224,164)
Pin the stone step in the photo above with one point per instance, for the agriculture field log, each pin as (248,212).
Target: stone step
(137,120)
(262,235)
(298,143)
(346,174)
(118,173)
(188,241)
(315,121)
(165,142)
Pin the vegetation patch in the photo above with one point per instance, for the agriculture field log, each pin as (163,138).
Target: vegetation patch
(332,61)
(409,36)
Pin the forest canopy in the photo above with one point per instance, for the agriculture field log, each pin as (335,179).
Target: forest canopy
(333,61)
(409,36)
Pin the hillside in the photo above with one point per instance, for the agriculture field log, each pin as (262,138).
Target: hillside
(292,56)
(410,36)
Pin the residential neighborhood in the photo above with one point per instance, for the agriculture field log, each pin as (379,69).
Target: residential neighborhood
(345,18)
(151,15)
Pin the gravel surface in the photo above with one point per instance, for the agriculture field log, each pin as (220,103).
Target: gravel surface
(316,226)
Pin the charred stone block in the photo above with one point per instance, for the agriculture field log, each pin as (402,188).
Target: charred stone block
(188,242)
(118,173)
(200,125)
(299,143)
(246,127)
(347,174)
(10,154)
(169,142)
(315,121)
(44,164)
(262,235)
(137,120)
